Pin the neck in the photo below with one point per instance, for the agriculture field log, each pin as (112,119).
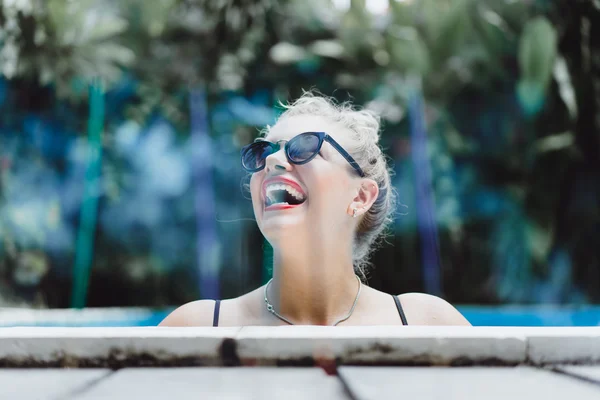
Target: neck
(312,287)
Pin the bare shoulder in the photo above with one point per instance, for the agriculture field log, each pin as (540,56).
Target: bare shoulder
(238,311)
(425,309)
(195,313)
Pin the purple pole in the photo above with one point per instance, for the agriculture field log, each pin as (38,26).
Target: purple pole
(424,196)
(207,244)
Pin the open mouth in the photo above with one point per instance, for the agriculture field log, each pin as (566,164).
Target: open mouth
(282,194)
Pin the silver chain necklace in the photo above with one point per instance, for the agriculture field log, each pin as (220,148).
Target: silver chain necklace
(284,319)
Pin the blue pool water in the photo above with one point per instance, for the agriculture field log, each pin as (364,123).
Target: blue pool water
(477,315)
(532,316)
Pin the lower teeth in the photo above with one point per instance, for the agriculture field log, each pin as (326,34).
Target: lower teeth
(285,203)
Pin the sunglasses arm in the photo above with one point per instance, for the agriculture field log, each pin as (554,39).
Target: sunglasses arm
(345,154)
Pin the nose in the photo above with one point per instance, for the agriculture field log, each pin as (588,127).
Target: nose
(278,160)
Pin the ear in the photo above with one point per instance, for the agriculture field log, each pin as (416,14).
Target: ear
(367,192)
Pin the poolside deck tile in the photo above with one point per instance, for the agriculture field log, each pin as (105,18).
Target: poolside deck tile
(382,344)
(587,372)
(46,384)
(565,345)
(101,346)
(485,383)
(217,383)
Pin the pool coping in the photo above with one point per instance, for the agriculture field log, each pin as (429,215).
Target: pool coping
(298,345)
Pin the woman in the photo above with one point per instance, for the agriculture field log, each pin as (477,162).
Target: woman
(321,195)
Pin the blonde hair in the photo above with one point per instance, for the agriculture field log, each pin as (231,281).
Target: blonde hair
(364,127)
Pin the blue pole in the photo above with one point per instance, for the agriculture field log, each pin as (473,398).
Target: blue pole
(425,203)
(207,243)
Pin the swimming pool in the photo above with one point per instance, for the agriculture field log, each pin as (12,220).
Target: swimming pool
(543,315)
(120,317)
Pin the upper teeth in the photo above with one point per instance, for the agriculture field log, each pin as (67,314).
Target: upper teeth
(282,186)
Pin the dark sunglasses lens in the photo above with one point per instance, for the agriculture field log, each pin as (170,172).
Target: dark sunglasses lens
(255,155)
(303,147)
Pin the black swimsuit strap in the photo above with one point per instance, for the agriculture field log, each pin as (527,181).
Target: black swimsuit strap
(216,314)
(400,310)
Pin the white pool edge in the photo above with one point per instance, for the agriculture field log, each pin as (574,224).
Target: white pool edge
(293,345)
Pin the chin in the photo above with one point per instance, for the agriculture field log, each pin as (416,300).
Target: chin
(282,222)
(281,236)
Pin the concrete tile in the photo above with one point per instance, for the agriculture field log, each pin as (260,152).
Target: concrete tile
(381,344)
(590,373)
(42,384)
(217,383)
(94,346)
(563,345)
(486,383)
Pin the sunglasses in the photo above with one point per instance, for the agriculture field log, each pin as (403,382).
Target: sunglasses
(298,150)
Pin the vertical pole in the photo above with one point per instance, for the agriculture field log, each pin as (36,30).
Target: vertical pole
(207,244)
(425,203)
(84,251)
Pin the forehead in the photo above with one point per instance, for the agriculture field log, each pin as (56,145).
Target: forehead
(288,127)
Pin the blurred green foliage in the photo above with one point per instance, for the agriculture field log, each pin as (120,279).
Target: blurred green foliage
(512,90)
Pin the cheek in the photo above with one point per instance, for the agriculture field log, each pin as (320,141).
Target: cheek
(333,184)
